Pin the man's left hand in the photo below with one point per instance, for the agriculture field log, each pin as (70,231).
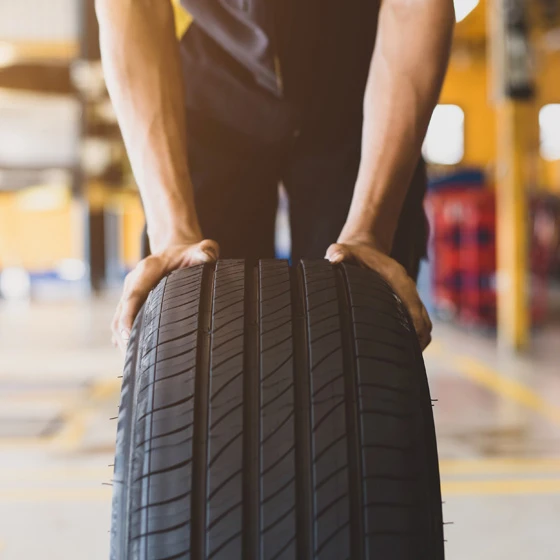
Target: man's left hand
(366,254)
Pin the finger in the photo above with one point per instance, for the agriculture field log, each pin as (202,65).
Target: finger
(131,306)
(428,334)
(210,248)
(121,345)
(424,343)
(116,315)
(146,276)
(202,253)
(116,338)
(115,323)
(405,288)
(427,319)
(337,253)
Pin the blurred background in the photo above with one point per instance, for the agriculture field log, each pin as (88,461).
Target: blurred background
(70,222)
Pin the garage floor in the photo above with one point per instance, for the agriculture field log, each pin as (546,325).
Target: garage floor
(498,421)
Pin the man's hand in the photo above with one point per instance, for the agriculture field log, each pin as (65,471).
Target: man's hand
(366,254)
(147,275)
(142,67)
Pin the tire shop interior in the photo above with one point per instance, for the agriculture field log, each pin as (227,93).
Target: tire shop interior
(70,229)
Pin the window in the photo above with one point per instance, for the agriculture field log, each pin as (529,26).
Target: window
(445,140)
(549,123)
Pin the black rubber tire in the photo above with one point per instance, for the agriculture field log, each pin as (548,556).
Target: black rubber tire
(271,413)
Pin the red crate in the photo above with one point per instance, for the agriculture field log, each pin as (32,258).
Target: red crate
(463,254)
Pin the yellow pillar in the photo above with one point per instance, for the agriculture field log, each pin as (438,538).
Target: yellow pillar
(513,91)
(512,230)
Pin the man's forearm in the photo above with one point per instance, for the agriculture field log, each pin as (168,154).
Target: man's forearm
(142,68)
(406,75)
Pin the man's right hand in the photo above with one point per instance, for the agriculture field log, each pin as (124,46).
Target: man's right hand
(147,275)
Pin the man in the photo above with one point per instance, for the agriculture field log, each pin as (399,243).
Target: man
(270,91)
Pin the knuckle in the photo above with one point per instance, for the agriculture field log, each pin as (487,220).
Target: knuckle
(132,294)
(146,264)
(395,273)
(209,244)
(417,321)
(128,279)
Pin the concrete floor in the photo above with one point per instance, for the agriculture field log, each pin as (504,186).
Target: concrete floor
(497,418)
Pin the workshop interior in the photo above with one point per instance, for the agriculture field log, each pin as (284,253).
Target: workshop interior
(71,223)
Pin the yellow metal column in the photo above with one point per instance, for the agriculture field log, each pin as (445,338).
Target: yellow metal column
(513,91)
(512,231)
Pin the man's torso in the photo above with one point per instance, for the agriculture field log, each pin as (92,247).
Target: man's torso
(269,66)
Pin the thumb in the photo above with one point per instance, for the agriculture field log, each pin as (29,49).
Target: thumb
(336,253)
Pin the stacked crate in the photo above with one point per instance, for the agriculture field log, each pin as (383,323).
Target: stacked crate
(464,254)
(477,256)
(445,216)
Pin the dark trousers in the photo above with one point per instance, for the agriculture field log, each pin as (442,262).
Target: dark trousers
(236,181)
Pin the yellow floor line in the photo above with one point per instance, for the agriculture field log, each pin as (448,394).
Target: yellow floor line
(61,398)
(501,487)
(499,465)
(56,474)
(506,387)
(105,389)
(25,444)
(448,467)
(56,495)
(77,418)
(449,488)
(74,430)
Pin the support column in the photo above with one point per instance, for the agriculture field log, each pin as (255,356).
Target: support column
(512,232)
(513,91)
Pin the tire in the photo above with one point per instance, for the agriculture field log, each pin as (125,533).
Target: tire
(270,413)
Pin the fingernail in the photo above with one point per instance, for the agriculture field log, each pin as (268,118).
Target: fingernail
(337,257)
(125,335)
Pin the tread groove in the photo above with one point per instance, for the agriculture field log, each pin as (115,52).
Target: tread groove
(224,448)
(326,356)
(277,368)
(147,475)
(151,383)
(302,424)
(161,531)
(278,490)
(201,408)
(358,545)
(166,406)
(251,540)
(264,333)
(162,502)
(223,484)
(277,461)
(279,426)
(124,540)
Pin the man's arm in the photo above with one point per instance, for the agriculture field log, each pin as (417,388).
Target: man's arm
(142,68)
(406,76)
